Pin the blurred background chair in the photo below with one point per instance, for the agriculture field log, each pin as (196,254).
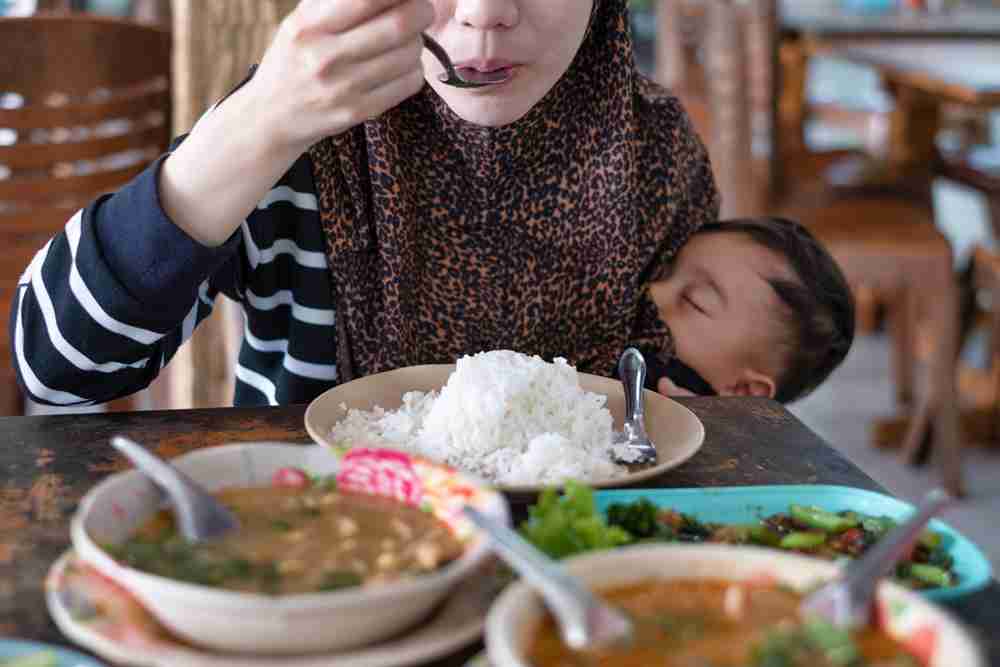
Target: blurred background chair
(77,119)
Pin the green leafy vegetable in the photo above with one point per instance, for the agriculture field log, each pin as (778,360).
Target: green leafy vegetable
(639,519)
(565,525)
(816,641)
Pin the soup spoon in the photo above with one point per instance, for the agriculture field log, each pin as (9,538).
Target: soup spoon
(846,601)
(585,622)
(200,517)
(451,77)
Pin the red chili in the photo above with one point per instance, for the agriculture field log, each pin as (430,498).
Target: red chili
(293,478)
(853,540)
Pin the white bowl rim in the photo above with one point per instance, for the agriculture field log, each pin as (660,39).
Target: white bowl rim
(475,552)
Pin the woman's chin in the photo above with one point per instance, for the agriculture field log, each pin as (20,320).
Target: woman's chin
(492,106)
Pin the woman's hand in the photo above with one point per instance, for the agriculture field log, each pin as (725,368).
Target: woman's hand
(336,63)
(333,64)
(666,387)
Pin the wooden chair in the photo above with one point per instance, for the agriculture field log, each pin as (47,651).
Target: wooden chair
(882,243)
(85,108)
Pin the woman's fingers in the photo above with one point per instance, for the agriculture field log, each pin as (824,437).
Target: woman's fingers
(389,95)
(666,387)
(386,32)
(316,16)
(373,74)
(336,63)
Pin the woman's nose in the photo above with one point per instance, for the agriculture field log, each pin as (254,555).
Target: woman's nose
(487,14)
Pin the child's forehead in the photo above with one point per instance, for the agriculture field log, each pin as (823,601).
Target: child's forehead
(736,250)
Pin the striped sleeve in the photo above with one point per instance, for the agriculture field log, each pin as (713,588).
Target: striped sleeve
(109,300)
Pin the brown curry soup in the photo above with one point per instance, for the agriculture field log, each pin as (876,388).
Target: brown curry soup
(298,540)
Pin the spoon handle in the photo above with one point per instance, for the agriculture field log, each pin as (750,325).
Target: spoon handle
(199,516)
(847,601)
(632,371)
(431,45)
(581,615)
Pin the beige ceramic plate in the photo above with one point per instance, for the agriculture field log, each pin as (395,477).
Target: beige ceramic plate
(677,432)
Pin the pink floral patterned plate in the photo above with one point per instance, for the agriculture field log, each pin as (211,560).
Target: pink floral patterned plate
(98,614)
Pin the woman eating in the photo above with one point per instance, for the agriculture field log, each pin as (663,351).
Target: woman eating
(368,216)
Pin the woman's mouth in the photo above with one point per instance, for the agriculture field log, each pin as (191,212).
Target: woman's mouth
(486,71)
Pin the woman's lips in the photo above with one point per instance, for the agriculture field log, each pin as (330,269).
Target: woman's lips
(486,71)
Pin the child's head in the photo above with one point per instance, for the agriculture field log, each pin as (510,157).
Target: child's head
(757,307)
(535,41)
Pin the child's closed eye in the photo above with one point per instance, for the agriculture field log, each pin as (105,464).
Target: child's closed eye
(694,304)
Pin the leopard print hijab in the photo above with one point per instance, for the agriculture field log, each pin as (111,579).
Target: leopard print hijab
(447,238)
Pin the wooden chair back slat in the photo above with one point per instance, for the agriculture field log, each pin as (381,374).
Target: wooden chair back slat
(75,55)
(132,105)
(27,157)
(52,190)
(77,94)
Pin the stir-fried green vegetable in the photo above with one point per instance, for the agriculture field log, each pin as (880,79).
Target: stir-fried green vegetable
(563,526)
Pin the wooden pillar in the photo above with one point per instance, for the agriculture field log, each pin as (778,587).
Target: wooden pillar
(670,65)
(215,43)
(729,103)
(764,80)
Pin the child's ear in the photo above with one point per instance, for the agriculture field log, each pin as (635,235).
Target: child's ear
(752,383)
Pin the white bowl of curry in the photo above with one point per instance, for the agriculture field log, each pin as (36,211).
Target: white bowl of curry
(332,553)
(724,606)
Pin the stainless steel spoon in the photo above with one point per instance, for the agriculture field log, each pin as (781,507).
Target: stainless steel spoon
(199,516)
(638,448)
(585,622)
(846,601)
(451,77)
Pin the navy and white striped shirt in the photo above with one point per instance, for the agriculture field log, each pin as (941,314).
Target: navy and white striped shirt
(107,302)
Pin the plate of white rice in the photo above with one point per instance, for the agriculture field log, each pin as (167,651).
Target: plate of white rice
(516,421)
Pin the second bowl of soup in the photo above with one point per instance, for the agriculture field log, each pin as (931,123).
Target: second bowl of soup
(727,607)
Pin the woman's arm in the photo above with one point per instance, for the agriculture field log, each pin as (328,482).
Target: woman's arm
(85,332)
(332,65)
(107,302)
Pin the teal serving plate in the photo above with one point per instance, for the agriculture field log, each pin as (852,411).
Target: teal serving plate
(11,649)
(747,504)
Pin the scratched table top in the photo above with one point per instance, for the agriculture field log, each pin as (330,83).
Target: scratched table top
(48,463)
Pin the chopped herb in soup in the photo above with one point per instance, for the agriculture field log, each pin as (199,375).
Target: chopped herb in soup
(297,539)
(687,623)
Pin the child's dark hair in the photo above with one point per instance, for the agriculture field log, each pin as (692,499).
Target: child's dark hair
(820,304)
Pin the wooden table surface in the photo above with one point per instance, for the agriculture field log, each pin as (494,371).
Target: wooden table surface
(965,72)
(48,463)
(826,20)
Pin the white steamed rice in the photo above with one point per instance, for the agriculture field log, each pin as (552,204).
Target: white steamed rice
(505,416)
